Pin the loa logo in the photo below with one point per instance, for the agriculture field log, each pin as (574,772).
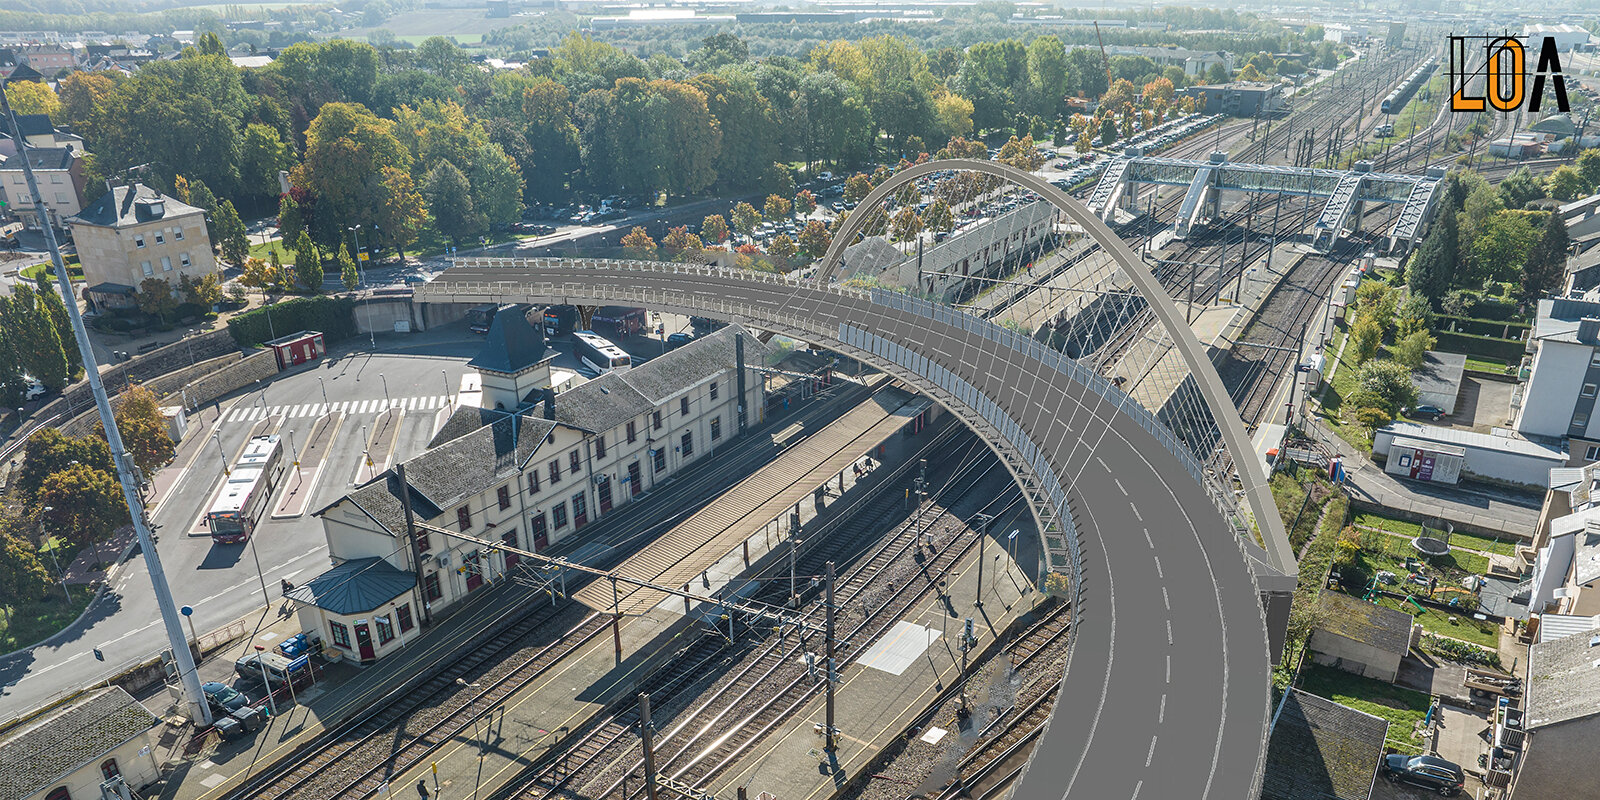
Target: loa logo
(1502,64)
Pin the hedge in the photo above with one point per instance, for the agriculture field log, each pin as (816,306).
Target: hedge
(1509,350)
(1496,329)
(333,316)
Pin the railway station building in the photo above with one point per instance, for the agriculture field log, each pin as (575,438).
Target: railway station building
(531,477)
(97,742)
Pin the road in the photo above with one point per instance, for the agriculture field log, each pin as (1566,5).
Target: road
(220,581)
(1182,594)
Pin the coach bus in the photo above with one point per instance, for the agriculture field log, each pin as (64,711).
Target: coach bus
(598,353)
(247,491)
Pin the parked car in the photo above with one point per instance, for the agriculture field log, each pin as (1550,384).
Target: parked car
(677,340)
(35,389)
(1429,772)
(223,698)
(1425,412)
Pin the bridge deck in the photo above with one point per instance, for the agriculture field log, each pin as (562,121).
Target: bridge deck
(739,513)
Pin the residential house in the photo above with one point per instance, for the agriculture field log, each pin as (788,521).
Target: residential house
(133,233)
(48,59)
(69,752)
(528,480)
(1560,721)
(1321,750)
(1558,398)
(60,177)
(1565,556)
(1361,637)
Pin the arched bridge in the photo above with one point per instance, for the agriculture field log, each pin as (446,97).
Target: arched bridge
(1166,690)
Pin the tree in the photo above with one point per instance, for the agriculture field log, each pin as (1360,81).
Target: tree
(1159,91)
(52,306)
(679,241)
(308,263)
(714,229)
(1217,73)
(155,298)
(1589,169)
(1566,183)
(1365,337)
(639,244)
(1412,349)
(1501,246)
(231,236)
(1414,314)
(1519,188)
(953,114)
(857,187)
(291,216)
(39,346)
(1108,131)
(449,198)
(805,202)
(33,97)
(1389,382)
(262,154)
(204,292)
(82,94)
(906,225)
(1434,264)
(182,115)
(143,430)
(81,504)
(350,166)
(257,274)
(782,247)
(745,218)
(347,269)
(777,207)
(815,238)
(272,277)
(1547,259)
(22,574)
(939,217)
(49,451)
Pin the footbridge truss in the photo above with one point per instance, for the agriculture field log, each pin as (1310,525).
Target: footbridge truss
(1115,490)
(1346,192)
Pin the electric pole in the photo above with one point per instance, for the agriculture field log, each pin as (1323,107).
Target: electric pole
(199,711)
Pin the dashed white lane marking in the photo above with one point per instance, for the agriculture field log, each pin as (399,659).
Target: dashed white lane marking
(1164,598)
(1150,756)
(1119,487)
(1162,716)
(1169,631)
(1136,788)
(1159,573)
(1148,540)
(1136,514)
(1169,668)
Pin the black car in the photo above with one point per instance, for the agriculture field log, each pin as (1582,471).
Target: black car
(1429,772)
(677,340)
(223,698)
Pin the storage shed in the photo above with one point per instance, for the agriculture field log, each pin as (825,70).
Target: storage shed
(1502,457)
(1424,461)
(1361,637)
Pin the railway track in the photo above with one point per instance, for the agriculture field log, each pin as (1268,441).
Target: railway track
(769,683)
(402,727)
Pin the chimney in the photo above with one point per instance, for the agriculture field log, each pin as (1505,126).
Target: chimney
(550,404)
(1589,330)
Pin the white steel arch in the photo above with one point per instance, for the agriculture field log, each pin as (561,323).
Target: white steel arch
(1257,492)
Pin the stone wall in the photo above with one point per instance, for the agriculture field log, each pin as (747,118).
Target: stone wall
(379,314)
(258,366)
(161,361)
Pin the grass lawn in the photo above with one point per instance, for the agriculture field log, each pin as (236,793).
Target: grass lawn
(1339,385)
(74,270)
(24,624)
(285,255)
(1480,364)
(1465,628)
(1403,708)
(1394,550)
(1461,540)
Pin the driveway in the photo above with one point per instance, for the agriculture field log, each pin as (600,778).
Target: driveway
(1483,404)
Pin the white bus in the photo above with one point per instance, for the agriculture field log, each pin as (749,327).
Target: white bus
(247,491)
(599,353)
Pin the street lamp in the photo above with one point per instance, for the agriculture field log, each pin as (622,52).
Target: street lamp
(191,345)
(263,398)
(223,456)
(54,547)
(444,373)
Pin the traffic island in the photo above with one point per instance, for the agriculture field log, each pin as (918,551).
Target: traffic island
(379,446)
(302,484)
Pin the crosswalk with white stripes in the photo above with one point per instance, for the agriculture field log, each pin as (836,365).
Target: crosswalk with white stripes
(251,413)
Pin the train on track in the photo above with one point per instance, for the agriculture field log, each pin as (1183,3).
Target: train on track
(1398,98)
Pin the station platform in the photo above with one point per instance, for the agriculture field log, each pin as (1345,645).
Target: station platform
(884,689)
(744,511)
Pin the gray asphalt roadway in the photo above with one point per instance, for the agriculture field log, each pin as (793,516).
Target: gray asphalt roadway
(220,581)
(1166,692)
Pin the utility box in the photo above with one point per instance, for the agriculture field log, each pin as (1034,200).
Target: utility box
(298,348)
(177,422)
(1424,461)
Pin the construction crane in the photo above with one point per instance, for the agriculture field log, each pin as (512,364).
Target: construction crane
(1103,59)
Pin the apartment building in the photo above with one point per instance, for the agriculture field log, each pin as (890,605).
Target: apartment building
(135,232)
